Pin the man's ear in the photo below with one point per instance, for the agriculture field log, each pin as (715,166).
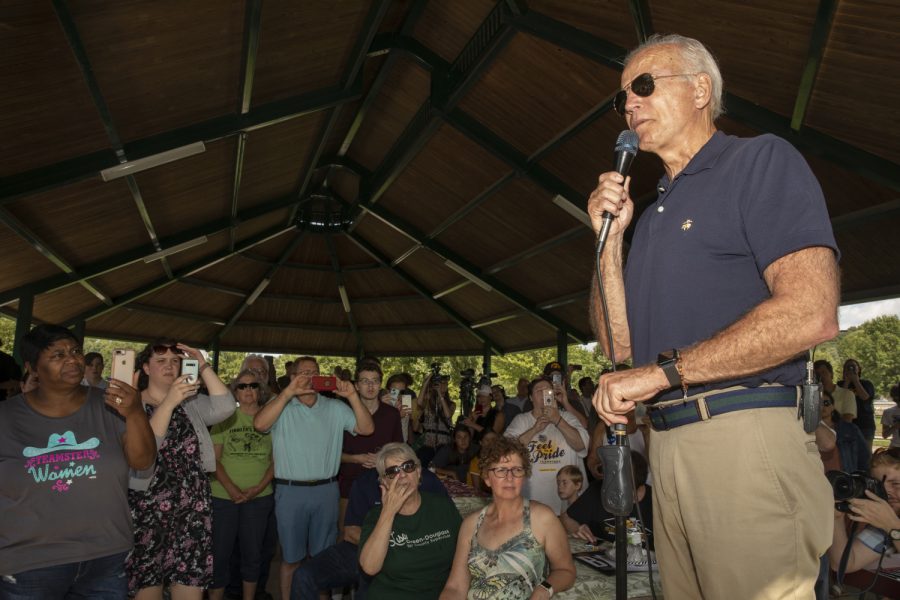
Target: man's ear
(702,90)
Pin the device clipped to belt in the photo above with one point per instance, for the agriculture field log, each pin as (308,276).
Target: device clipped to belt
(810,408)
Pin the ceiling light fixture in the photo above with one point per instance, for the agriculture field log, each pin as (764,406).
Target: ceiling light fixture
(130,167)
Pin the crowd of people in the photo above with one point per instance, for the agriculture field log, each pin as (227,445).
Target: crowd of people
(132,485)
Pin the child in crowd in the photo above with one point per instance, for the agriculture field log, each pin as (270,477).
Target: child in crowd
(569,482)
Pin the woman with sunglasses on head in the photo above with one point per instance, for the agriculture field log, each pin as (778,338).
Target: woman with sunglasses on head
(241,489)
(65,454)
(172,511)
(513,549)
(407,542)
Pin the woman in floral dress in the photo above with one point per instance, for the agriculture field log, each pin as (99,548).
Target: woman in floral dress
(172,510)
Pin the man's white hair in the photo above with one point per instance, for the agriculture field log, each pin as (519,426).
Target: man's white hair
(697,59)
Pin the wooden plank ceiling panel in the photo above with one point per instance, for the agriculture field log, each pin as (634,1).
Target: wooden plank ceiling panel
(290,341)
(160,66)
(575,313)
(476,304)
(134,325)
(256,226)
(405,312)
(20,263)
(214,244)
(345,118)
(406,87)
(272,250)
(859,272)
(407,342)
(387,240)
(275,159)
(235,271)
(193,299)
(580,160)
(557,272)
(61,305)
(446,27)
(345,184)
(373,284)
(304,283)
(131,277)
(761,46)
(514,219)
(537,83)
(430,271)
(70,219)
(311,250)
(607,19)
(190,192)
(858,86)
(304,46)
(520,333)
(443,178)
(270,310)
(42,88)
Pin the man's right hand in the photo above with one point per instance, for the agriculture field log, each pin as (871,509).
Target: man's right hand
(611,195)
(299,385)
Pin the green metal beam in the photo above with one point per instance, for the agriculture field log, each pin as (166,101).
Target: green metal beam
(643,22)
(424,292)
(88,165)
(879,212)
(285,254)
(445,253)
(125,258)
(817,43)
(188,271)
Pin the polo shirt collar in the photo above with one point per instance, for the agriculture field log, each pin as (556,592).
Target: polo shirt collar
(705,158)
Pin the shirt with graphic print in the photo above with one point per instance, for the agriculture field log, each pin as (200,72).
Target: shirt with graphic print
(63,485)
(246,454)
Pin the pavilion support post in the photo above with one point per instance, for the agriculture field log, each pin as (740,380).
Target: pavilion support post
(78,330)
(562,347)
(23,324)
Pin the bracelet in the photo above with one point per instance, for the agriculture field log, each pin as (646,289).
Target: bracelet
(204,367)
(679,366)
(559,420)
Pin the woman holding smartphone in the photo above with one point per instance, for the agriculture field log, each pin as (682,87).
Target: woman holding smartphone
(172,511)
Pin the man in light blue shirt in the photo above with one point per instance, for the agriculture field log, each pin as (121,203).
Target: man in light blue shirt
(307,435)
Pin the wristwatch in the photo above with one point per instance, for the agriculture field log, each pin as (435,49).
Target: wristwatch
(546,585)
(895,535)
(668,362)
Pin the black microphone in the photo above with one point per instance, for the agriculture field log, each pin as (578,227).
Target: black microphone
(626,150)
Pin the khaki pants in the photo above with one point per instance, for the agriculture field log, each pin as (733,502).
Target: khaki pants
(742,509)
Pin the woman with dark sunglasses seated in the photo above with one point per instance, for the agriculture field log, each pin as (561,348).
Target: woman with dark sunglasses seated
(65,454)
(407,543)
(513,549)
(242,488)
(172,511)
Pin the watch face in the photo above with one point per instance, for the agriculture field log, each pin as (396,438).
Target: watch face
(895,534)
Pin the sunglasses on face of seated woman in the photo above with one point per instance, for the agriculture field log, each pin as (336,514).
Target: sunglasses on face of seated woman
(244,386)
(407,467)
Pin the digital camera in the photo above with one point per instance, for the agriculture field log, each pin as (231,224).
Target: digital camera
(853,485)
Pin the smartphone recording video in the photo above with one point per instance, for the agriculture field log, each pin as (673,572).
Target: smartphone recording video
(122,365)
(322,383)
(191,368)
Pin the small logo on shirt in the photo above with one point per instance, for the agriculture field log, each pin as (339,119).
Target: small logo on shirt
(687,225)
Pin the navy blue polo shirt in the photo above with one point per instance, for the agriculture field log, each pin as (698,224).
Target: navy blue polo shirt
(699,252)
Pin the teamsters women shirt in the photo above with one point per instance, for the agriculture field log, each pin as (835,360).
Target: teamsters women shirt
(63,485)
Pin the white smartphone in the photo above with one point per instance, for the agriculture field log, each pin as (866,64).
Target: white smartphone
(122,365)
(549,398)
(406,400)
(191,368)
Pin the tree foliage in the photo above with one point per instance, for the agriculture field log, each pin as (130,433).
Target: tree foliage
(874,344)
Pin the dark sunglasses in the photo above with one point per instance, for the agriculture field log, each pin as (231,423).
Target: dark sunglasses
(407,467)
(643,85)
(244,386)
(163,348)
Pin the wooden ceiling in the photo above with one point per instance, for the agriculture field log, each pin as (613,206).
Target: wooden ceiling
(433,137)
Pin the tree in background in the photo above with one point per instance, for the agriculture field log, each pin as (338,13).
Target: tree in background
(876,345)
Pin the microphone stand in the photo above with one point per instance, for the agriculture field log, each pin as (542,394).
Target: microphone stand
(621,441)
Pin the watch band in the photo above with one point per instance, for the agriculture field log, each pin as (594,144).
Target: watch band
(546,585)
(668,362)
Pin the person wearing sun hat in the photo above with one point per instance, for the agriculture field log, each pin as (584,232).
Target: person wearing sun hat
(65,454)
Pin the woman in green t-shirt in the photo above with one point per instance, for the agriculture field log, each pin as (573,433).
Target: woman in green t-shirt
(241,487)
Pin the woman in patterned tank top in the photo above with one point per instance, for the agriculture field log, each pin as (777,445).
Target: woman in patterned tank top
(514,549)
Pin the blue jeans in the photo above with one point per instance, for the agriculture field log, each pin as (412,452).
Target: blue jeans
(98,579)
(245,522)
(334,567)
